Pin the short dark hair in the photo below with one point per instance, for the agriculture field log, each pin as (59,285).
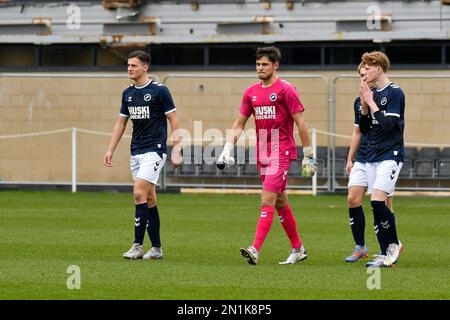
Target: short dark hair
(272,53)
(144,57)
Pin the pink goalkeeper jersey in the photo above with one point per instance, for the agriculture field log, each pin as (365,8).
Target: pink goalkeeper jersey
(273,108)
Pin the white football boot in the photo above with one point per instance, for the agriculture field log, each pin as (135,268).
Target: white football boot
(251,254)
(153,253)
(377,262)
(295,255)
(392,253)
(135,252)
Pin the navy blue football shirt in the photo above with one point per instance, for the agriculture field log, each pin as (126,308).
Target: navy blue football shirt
(147,107)
(383,144)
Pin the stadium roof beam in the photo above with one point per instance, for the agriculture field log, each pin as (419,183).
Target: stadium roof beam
(133,21)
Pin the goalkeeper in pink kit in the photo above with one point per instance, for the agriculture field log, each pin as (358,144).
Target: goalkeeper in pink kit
(276,106)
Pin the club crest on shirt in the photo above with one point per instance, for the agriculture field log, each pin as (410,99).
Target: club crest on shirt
(273,97)
(383,101)
(147,97)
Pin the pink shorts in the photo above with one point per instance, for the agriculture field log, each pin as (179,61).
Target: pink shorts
(274,177)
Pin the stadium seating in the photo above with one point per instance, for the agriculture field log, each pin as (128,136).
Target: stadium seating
(322,155)
(411,155)
(424,163)
(339,168)
(428,153)
(407,169)
(424,168)
(240,158)
(189,169)
(445,154)
(295,168)
(251,170)
(232,171)
(443,164)
(341,154)
(443,169)
(250,167)
(209,170)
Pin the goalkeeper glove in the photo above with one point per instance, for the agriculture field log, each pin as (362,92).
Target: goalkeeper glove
(225,159)
(309,163)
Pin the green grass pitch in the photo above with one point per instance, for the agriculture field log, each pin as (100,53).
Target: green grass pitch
(43,233)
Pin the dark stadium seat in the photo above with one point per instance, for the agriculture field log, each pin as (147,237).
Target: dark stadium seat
(251,170)
(341,152)
(424,168)
(445,154)
(197,155)
(295,168)
(428,153)
(299,152)
(189,169)
(240,154)
(339,167)
(321,168)
(411,153)
(443,169)
(322,163)
(322,153)
(170,172)
(406,171)
(209,170)
(230,172)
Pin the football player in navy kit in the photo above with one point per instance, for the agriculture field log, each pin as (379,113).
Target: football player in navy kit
(382,118)
(357,182)
(148,104)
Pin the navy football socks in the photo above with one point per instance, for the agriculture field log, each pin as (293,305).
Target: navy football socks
(153,227)
(358,224)
(140,221)
(384,222)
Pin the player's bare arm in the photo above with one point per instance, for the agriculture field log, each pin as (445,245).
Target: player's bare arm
(354,144)
(119,129)
(237,128)
(175,156)
(302,129)
(309,163)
